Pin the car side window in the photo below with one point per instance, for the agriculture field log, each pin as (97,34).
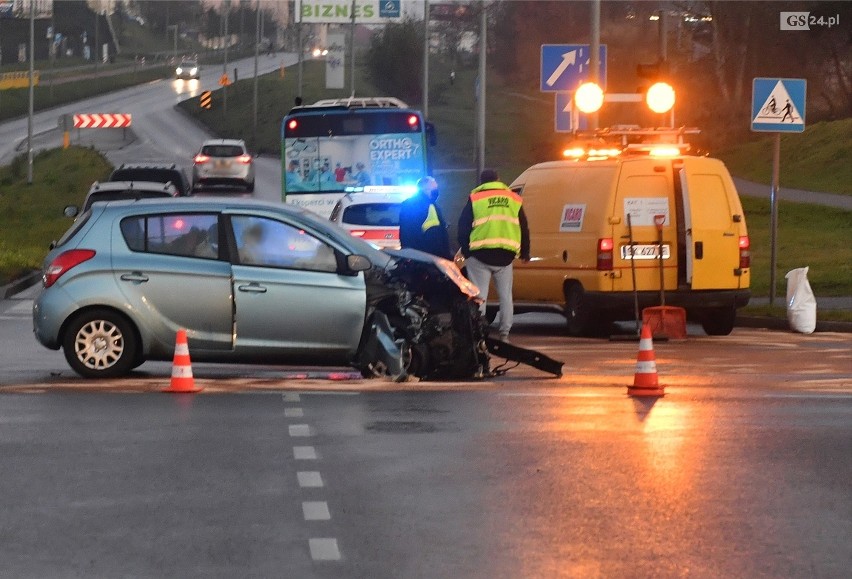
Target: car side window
(267,242)
(182,234)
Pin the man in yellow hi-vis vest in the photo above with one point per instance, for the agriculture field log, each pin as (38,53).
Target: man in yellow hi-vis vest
(421,225)
(492,233)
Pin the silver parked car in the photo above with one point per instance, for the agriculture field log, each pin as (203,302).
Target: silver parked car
(250,282)
(223,162)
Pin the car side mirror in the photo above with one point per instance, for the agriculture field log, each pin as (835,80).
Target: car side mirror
(71,211)
(356,263)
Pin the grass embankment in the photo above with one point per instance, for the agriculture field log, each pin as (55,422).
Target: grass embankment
(816,160)
(32,214)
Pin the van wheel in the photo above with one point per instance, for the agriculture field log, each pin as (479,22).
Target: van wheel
(718,321)
(577,314)
(100,344)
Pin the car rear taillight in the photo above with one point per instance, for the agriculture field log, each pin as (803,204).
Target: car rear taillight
(605,246)
(63,263)
(745,252)
(201,159)
(244,159)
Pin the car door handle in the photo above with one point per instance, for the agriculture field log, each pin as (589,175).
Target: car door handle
(137,276)
(252,288)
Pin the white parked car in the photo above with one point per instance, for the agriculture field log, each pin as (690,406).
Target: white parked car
(373,217)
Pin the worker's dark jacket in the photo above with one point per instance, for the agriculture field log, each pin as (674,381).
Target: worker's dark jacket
(421,226)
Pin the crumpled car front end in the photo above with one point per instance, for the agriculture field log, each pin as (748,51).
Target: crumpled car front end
(423,321)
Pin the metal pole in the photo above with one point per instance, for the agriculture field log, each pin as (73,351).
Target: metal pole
(352,52)
(225,64)
(256,50)
(32,89)
(483,44)
(96,43)
(426,59)
(301,56)
(773,214)
(595,55)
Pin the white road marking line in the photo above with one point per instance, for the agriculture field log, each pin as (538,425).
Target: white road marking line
(300,430)
(293,412)
(309,479)
(304,453)
(324,549)
(290,397)
(23,308)
(315,511)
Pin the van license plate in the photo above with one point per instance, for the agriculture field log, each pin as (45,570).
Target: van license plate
(641,251)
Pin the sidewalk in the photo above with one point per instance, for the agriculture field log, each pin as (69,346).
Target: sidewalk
(752,189)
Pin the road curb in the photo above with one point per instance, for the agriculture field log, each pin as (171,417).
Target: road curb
(783,324)
(19,285)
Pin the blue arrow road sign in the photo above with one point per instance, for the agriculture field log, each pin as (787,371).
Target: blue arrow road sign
(778,105)
(563,112)
(564,67)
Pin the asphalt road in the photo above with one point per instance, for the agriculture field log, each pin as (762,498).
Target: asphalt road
(515,482)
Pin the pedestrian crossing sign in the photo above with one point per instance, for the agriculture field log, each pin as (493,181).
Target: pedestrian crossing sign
(778,105)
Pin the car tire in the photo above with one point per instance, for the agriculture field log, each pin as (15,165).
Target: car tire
(577,313)
(718,321)
(101,343)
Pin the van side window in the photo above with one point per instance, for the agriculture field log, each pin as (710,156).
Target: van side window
(519,190)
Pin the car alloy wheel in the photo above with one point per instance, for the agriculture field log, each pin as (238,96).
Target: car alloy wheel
(100,344)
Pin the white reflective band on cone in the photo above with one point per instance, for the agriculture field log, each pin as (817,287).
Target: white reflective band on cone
(649,367)
(181,371)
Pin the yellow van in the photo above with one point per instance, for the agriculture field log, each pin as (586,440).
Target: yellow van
(596,225)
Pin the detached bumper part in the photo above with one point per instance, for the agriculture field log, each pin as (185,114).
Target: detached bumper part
(524,356)
(381,352)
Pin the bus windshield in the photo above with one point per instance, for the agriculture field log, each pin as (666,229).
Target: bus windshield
(333,151)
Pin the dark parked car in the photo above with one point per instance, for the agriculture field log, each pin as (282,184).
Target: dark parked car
(250,282)
(161,172)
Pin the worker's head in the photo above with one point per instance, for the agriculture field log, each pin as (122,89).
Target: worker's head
(429,187)
(487,176)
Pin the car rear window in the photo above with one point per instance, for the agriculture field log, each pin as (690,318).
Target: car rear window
(375,214)
(222,150)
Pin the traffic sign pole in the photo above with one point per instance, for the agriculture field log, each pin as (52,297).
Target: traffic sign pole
(773,214)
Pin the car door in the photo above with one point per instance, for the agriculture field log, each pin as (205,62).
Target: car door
(712,239)
(169,271)
(290,300)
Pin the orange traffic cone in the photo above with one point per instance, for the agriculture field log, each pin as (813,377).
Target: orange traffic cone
(182,380)
(645,379)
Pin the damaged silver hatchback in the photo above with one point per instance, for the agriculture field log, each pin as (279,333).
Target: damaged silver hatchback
(251,282)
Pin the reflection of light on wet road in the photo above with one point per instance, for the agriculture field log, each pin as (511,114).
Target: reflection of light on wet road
(189,88)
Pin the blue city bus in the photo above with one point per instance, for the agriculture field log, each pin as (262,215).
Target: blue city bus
(338,146)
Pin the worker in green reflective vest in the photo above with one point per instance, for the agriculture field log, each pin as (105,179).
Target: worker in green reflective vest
(493,232)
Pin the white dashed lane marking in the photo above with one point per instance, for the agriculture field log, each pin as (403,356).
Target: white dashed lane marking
(316,511)
(324,549)
(300,430)
(309,479)
(304,453)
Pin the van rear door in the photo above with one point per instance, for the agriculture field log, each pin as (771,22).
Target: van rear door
(712,242)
